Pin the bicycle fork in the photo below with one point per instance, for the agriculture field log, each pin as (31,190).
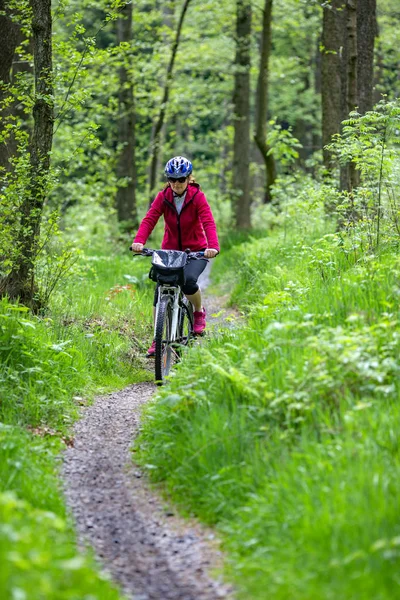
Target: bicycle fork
(172,293)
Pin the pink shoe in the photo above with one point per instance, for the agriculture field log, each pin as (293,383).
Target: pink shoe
(199,324)
(152,350)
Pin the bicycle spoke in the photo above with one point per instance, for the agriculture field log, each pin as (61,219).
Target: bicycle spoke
(164,357)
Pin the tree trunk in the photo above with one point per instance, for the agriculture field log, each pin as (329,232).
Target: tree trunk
(347,70)
(367,30)
(352,95)
(331,69)
(241,116)
(260,136)
(155,144)
(316,136)
(10,38)
(20,282)
(126,166)
(349,176)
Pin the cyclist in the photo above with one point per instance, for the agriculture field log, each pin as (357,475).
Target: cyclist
(188,224)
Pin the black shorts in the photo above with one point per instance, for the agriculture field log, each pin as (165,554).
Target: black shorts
(193,269)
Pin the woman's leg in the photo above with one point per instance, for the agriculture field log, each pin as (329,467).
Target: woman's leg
(193,270)
(192,292)
(195,299)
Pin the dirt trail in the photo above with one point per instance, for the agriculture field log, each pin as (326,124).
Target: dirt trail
(150,552)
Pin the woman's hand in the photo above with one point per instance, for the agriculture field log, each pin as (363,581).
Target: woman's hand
(137,247)
(210,252)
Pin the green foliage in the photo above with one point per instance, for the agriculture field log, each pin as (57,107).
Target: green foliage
(35,369)
(199,109)
(46,362)
(283,432)
(387,52)
(272,430)
(37,557)
(51,365)
(283,145)
(77,140)
(298,206)
(371,143)
(86,63)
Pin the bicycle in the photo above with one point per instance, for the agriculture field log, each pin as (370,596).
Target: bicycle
(173,324)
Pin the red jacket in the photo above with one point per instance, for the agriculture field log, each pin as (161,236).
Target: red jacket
(193,228)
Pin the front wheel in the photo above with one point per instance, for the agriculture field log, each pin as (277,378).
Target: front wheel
(165,353)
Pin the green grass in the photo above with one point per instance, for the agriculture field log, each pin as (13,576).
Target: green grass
(88,342)
(283,433)
(37,552)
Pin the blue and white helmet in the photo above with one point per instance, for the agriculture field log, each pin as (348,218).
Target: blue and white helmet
(179,166)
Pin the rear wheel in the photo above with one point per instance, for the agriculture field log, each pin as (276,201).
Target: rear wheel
(165,352)
(185,329)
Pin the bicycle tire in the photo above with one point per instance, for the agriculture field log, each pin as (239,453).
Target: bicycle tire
(164,352)
(185,329)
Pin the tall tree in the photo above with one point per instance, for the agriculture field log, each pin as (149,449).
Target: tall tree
(260,136)
(316,65)
(155,142)
(349,176)
(10,38)
(348,35)
(20,281)
(350,90)
(331,69)
(241,115)
(126,165)
(367,31)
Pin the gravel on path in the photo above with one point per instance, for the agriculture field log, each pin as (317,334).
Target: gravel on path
(150,552)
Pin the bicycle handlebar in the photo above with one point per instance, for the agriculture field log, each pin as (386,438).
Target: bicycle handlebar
(150,252)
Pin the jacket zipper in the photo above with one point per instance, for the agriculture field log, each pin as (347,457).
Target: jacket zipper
(178,217)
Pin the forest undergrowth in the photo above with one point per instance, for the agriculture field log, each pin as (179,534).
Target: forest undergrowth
(87,342)
(282,433)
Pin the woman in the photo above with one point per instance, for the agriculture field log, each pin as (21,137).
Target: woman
(189,224)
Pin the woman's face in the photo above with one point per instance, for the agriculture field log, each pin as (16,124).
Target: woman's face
(177,185)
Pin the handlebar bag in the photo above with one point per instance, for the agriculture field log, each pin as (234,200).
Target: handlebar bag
(168,267)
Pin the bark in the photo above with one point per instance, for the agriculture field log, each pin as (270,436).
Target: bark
(349,176)
(241,102)
(353,89)
(367,30)
(316,137)
(10,38)
(260,136)
(352,57)
(126,165)
(349,30)
(20,282)
(331,69)
(155,145)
